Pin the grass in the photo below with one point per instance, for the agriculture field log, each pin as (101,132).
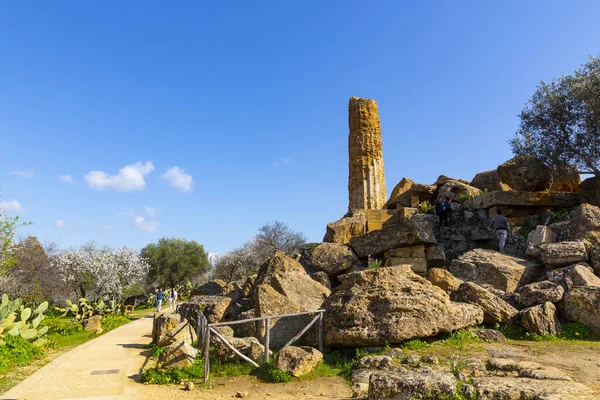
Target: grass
(572,331)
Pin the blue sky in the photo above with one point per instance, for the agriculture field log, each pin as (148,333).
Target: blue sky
(249,101)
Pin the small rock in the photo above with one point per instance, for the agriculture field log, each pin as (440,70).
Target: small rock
(374,362)
(188,385)
(433,360)
(489,335)
(241,395)
(413,360)
(468,391)
(395,353)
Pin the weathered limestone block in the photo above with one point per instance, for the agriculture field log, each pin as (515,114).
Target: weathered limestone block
(540,319)
(453,189)
(410,194)
(444,280)
(502,271)
(322,278)
(373,362)
(521,198)
(298,361)
(214,308)
(580,274)
(332,258)
(93,324)
(162,324)
(540,293)
(342,230)
(584,225)
(558,255)
(418,265)
(183,331)
(406,252)
(217,287)
(390,305)
(494,308)
(595,258)
(580,304)
(435,256)
(541,235)
(589,191)
(529,173)
(248,346)
(489,181)
(376,219)
(422,383)
(366,182)
(178,355)
(500,387)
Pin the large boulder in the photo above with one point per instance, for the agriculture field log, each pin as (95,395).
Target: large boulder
(589,191)
(444,280)
(488,181)
(216,287)
(248,346)
(541,235)
(540,293)
(455,190)
(502,271)
(409,194)
(331,258)
(214,308)
(178,355)
(182,332)
(322,278)
(93,324)
(413,256)
(522,198)
(288,277)
(405,233)
(435,256)
(494,308)
(509,388)
(344,229)
(529,173)
(298,361)
(580,274)
(540,319)
(390,305)
(561,254)
(422,383)
(584,225)
(595,258)
(582,304)
(162,324)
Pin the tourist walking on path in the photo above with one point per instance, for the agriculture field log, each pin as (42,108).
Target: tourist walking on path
(159,299)
(500,224)
(172,299)
(443,210)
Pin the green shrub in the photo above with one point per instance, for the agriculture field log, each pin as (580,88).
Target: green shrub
(18,352)
(112,321)
(278,376)
(425,207)
(576,331)
(61,326)
(415,344)
(374,264)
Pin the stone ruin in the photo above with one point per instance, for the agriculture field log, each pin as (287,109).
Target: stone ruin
(433,280)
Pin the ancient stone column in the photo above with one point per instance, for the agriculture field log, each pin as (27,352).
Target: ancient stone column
(366,181)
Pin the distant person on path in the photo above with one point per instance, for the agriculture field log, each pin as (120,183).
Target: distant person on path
(159,299)
(443,210)
(172,299)
(502,228)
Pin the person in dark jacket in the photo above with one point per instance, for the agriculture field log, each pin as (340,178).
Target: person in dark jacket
(159,299)
(502,228)
(444,211)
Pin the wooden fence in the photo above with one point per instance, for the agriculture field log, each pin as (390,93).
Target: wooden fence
(204,331)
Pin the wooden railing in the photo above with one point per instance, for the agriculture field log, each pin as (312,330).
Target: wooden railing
(204,331)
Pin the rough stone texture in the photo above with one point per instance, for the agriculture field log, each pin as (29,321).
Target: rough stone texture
(489,335)
(178,355)
(528,173)
(589,191)
(488,180)
(376,219)
(214,307)
(391,305)
(402,187)
(505,388)
(561,254)
(453,190)
(373,362)
(93,324)
(162,324)
(541,292)
(344,229)
(407,252)
(182,332)
(402,234)
(582,304)
(541,235)
(444,280)
(502,271)
(288,277)
(443,179)
(417,384)
(217,287)
(494,308)
(271,302)
(409,194)
(580,274)
(512,298)
(435,256)
(366,182)
(248,346)
(332,258)
(595,258)
(521,198)
(322,278)
(298,361)
(418,265)
(541,319)
(584,225)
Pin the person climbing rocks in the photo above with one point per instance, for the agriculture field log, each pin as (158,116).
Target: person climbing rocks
(444,211)
(502,228)
(159,299)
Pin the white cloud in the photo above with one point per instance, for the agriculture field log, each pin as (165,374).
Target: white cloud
(130,177)
(126,214)
(107,227)
(60,224)
(283,161)
(12,205)
(28,173)
(67,179)
(150,211)
(177,178)
(146,226)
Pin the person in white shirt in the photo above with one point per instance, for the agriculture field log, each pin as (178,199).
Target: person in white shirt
(172,299)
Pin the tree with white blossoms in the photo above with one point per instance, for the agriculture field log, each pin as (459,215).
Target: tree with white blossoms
(101,273)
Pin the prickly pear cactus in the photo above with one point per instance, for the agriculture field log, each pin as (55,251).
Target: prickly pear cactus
(18,320)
